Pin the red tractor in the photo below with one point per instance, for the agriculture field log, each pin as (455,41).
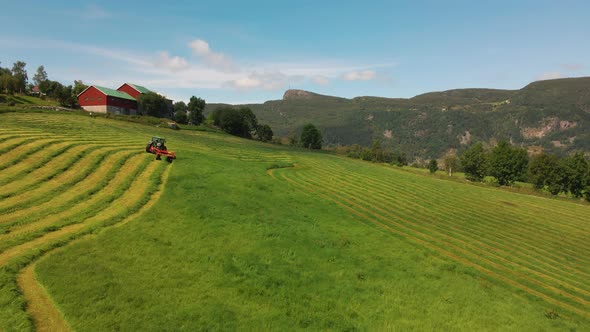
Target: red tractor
(157,146)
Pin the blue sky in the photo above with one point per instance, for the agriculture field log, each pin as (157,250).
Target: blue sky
(252,51)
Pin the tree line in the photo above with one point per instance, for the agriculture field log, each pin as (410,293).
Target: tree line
(240,122)
(508,164)
(504,162)
(375,153)
(16,80)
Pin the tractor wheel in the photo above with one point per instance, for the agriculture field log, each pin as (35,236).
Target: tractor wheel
(158,157)
(169,159)
(148,148)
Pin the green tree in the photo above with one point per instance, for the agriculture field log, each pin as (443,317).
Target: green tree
(474,162)
(264,133)
(433,166)
(575,170)
(79,86)
(508,164)
(181,117)
(8,83)
(195,109)
(180,106)
(50,88)
(400,158)
(232,122)
(250,121)
(546,171)
(153,104)
(215,116)
(366,154)
(20,73)
(311,138)
(40,76)
(65,96)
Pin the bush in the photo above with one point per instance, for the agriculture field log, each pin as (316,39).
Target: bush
(508,164)
(181,117)
(311,138)
(433,166)
(264,133)
(474,162)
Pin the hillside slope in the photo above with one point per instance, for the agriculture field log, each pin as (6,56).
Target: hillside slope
(239,239)
(553,115)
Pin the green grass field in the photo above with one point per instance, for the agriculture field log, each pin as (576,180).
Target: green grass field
(237,234)
(24,100)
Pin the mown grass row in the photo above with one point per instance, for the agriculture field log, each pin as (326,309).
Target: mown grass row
(449,236)
(489,237)
(13,315)
(536,223)
(464,213)
(94,179)
(53,187)
(458,255)
(454,212)
(403,211)
(57,189)
(30,175)
(70,214)
(27,179)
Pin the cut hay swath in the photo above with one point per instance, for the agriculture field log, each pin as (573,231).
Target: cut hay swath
(58,187)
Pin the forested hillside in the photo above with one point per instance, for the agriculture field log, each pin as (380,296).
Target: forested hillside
(552,116)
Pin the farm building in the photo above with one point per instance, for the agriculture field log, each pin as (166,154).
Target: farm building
(104,100)
(133,90)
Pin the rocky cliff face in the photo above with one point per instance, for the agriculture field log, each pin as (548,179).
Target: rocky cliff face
(298,94)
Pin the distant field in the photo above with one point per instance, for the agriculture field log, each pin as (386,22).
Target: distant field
(237,234)
(24,100)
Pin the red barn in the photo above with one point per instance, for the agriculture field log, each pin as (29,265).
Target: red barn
(133,90)
(104,100)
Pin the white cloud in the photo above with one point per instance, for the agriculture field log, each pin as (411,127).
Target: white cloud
(550,76)
(165,72)
(320,80)
(216,60)
(274,80)
(245,83)
(174,63)
(364,75)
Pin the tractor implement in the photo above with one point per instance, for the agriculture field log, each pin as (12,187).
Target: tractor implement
(157,146)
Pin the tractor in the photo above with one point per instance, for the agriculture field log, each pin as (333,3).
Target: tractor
(157,146)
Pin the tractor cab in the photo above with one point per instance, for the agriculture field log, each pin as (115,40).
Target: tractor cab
(158,142)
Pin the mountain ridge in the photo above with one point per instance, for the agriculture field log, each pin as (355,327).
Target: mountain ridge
(549,115)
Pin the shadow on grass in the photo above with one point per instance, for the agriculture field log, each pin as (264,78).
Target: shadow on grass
(21,100)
